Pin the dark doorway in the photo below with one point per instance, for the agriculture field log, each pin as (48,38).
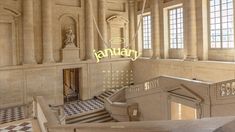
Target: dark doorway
(71,84)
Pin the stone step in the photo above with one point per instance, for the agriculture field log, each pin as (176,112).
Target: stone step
(96,119)
(106,94)
(100,99)
(87,117)
(108,119)
(102,96)
(83,114)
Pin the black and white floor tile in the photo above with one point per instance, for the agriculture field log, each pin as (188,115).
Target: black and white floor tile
(21,127)
(12,114)
(82,106)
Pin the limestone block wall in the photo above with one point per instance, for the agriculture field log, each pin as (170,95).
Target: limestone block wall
(34,30)
(32,39)
(20,83)
(208,71)
(211,71)
(196,31)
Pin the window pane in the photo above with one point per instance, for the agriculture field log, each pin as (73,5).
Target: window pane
(147,32)
(176,28)
(221,24)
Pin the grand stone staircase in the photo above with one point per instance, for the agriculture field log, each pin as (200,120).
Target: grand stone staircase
(89,111)
(97,116)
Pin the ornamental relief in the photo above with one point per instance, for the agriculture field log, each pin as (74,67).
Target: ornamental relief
(226,89)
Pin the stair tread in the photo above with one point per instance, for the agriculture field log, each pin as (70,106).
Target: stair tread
(107,92)
(96,114)
(86,114)
(100,99)
(104,120)
(95,119)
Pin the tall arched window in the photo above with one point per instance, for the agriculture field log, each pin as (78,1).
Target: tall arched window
(221,24)
(147,37)
(176,31)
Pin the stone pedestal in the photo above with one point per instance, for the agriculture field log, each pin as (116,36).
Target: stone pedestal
(70,55)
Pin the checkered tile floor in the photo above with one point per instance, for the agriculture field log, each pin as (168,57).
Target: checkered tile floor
(82,106)
(12,114)
(22,127)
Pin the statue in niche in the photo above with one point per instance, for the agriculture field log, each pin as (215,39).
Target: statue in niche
(69,40)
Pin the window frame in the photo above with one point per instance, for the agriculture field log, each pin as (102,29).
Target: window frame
(221,36)
(169,32)
(150,47)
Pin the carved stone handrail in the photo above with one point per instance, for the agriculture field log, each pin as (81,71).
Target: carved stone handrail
(209,125)
(143,87)
(44,114)
(117,106)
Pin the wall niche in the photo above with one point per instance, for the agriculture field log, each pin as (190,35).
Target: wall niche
(66,23)
(69,38)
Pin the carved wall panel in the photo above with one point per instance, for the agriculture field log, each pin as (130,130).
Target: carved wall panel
(118,31)
(8,36)
(116,6)
(6,44)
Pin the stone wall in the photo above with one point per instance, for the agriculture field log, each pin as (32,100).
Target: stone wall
(211,71)
(196,32)
(20,83)
(32,43)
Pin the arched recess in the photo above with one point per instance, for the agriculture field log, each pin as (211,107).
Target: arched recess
(66,21)
(9,47)
(118,31)
(63,22)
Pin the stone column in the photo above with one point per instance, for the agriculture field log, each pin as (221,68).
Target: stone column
(190,29)
(89,31)
(102,23)
(28,30)
(131,24)
(47,31)
(155,12)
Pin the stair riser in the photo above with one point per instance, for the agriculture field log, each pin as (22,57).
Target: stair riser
(86,118)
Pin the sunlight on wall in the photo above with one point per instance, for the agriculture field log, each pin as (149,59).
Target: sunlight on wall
(182,112)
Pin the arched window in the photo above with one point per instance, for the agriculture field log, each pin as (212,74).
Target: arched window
(146,29)
(221,24)
(176,31)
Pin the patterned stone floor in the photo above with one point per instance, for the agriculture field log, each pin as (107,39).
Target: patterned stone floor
(11,114)
(82,106)
(20,127)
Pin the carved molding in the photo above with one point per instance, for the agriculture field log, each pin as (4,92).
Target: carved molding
(118,29)
(6,10)
(117,19)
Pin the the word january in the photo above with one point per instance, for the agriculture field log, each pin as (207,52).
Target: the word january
(133,54)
